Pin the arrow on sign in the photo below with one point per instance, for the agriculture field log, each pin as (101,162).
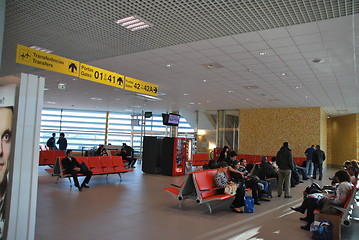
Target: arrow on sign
(72,67)
(119,81)
(154,89)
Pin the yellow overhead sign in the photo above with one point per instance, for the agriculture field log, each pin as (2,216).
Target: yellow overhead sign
(39,59)
(135,85)
(99,75)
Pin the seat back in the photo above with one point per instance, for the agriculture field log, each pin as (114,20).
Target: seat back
(107,164)
(118,163)
(95,165)
(204,181)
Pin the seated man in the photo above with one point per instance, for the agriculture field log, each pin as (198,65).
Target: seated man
(131,160)
(73,167)
(266,169)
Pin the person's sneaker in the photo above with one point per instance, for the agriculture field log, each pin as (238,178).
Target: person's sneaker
(289,196)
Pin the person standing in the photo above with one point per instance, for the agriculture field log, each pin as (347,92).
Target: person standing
(62,142)
(286,166)
(51,142)
(318,159)
(309,166)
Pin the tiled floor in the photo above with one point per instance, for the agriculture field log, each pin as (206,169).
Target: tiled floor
(137,208)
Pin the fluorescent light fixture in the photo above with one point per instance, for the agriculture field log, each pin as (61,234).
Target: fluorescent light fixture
(125,19)
(262,53)
(96,99)
(130,22)
(168,65)
(185,94)
(51,102)
(283,74)
(192,103)
(45,89)
(134,23)
(149,97)
(41,49)
(230,91)
(204,80)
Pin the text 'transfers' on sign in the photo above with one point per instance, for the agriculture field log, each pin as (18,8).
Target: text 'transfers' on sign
(36,58)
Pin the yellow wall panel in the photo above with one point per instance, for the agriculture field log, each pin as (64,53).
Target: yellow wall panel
(263,131)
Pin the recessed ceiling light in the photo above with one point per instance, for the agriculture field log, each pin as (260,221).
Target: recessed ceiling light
(134,23)
(247,99)
(298,87)
(204,80)
(306,96)
(262,53)
(328,117)
(192,103)
(185,94)
(318,60)
(230,91)
(96,99)
(168,65)
(208,101)
(250,70)
(74,79)
(45,89)
(283,74)
(251,87)
(51,102)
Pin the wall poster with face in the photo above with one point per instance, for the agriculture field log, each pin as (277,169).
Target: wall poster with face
(7,100)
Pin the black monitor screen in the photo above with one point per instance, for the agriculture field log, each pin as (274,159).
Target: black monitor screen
(170,119)
(173,119)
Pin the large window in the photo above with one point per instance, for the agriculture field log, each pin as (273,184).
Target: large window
(87,129)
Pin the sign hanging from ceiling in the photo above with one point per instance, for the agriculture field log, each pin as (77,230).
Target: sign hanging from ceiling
(39,59)
(135,85)
(99,75)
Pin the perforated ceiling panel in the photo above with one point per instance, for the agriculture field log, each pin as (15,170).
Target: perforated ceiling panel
(85,30)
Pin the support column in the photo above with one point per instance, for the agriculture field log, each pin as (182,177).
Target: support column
(24,179)
(220,130)
(106,128)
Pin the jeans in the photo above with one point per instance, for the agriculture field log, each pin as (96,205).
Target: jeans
(309,166)
(284,177)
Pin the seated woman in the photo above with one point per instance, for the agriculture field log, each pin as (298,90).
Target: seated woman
(221,181)
(341,195)
(223,154)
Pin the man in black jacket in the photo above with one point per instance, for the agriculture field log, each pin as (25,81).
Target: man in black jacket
(286,166)
(318,159)
(73,167)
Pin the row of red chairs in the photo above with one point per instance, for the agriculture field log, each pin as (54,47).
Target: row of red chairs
(200,159)
(48,157)
(104,164)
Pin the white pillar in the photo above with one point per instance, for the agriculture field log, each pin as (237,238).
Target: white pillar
(24,178)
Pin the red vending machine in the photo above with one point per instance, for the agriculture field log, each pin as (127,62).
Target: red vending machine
(174,156)
(179,156)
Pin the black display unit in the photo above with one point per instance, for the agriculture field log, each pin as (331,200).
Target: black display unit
(166,156)
(152,147)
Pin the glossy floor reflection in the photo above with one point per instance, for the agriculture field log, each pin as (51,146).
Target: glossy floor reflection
(137,208)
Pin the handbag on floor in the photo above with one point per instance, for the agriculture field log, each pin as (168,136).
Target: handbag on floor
(249,205)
